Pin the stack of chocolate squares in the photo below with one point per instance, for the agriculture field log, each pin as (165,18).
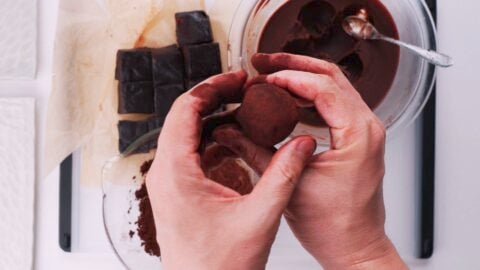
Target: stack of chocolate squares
(151,79)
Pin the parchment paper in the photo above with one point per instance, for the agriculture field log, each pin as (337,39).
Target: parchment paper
(82,112)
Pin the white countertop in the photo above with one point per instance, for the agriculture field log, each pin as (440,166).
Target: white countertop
(457,235)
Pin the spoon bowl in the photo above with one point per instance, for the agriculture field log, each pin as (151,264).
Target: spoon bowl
(359,28)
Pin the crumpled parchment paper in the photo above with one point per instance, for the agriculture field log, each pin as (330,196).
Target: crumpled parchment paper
(82,111)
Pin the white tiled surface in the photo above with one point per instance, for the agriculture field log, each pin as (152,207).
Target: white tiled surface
(19,36)
(458,184)
(48,255)
(17,164)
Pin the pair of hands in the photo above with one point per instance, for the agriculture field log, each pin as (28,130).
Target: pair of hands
(332,201)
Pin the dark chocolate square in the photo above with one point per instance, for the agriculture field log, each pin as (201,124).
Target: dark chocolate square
(193,28)
(165,96)
(155,123)
(167,65)
(134,65)
(135,97)
(153,144)
(202,61)
(129,132)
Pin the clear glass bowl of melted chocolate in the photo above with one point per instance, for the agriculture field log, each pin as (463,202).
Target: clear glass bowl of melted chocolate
(394,83)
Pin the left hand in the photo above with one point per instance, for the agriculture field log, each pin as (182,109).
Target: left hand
(201,224)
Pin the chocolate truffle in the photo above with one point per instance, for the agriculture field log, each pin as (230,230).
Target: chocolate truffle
(165,96)
(193,28)
(134,65)
(167,65)
(135,97)
(201,62)
(268,114)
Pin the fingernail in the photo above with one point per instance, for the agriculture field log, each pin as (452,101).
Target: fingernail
(306,146)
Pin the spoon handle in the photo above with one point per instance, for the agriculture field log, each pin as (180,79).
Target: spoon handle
(435,58)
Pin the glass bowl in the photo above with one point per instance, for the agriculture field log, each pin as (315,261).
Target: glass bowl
(121,178)
(414,79)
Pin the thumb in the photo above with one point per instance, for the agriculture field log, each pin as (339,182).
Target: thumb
(283,173)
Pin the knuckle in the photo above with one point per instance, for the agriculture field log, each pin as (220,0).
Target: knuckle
(283,58)
(288,175)
(327,81)
(331,68)
(181,101)
(188,100)
(377,130)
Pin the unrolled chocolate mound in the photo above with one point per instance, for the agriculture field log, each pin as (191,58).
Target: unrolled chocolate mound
(268,114)
(221,165)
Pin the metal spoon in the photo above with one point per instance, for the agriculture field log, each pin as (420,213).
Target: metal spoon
(360,28)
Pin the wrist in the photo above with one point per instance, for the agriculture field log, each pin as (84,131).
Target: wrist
(378,254)
(209,265)
(206,260)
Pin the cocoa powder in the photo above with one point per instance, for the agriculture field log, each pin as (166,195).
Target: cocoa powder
(145,222)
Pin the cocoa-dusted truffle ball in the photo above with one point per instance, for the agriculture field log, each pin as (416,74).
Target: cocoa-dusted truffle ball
(268,114)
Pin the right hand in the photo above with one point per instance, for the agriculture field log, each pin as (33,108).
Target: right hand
(337,210)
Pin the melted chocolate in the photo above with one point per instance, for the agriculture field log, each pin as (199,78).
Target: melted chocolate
(314,28)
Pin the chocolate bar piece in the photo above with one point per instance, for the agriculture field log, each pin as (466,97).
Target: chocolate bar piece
(167,65)
(129,132)
(193,28)
(135,97)
(201,61)
(134,65)
(165,95)
(155,123)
